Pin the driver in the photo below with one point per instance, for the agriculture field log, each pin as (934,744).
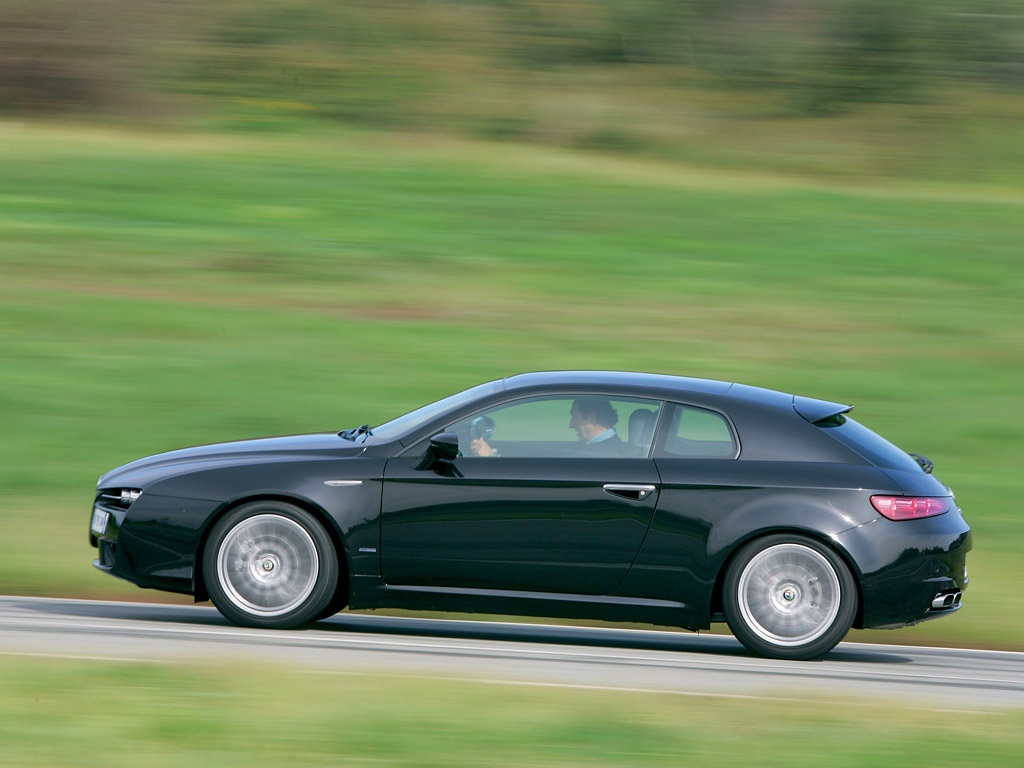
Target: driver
(480,429)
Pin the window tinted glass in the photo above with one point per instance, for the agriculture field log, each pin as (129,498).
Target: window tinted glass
(871,446)
(582,426)
(694,433)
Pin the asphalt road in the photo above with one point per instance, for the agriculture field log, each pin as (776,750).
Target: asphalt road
(516,654)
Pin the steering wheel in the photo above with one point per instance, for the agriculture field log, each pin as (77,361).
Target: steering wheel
(482,427)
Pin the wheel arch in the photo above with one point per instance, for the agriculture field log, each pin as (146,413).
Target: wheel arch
(826,541)
(318,512)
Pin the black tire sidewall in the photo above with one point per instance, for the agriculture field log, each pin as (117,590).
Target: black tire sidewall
(817,647)
(327,576)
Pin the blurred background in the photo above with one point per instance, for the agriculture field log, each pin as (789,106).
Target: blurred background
(236,219)
(863,88)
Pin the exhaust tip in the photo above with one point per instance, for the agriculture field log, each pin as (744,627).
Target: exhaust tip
(946,600)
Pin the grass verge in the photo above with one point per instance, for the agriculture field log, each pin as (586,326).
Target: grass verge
(77,714)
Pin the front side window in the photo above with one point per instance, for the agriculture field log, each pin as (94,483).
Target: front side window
(562,426)
(694,433)
(396,428)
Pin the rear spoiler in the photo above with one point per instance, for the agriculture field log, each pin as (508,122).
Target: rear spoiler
(817,410)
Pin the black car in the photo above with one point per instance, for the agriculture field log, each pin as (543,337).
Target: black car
(603,495)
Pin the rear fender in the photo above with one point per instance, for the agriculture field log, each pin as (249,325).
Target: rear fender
(823,517)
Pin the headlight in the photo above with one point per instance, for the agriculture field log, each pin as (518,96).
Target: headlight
(128,495)
(117,498)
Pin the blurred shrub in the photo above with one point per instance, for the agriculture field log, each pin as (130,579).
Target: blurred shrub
(404,61)
(339,60)
(865,51)
(63,55)
(898,51)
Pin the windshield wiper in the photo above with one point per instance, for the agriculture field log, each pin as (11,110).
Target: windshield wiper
(352,434)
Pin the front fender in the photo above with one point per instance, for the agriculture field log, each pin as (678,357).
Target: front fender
(165,529)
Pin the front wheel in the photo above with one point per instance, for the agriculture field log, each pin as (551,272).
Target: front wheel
(270,564)
(789,597)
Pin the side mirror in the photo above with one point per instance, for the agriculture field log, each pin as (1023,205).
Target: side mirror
(444,447)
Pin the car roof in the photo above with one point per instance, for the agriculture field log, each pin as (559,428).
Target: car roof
(695,390)
(616,380)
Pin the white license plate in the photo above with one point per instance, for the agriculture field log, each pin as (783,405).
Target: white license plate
(99,521)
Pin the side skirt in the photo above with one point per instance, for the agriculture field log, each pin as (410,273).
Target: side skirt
(370,592)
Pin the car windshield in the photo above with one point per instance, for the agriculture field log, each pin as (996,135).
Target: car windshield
(396,428)
(868,444)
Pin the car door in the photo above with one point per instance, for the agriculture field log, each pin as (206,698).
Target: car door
(544,510)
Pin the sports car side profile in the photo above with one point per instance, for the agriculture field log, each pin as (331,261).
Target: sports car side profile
(598,495)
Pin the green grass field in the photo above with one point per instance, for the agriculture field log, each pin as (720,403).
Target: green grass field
(75,714)
(159,290)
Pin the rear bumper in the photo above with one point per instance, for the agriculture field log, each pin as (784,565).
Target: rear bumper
(905,566)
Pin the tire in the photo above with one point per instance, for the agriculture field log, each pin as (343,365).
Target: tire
(336,603)
(270,564)
(789,597)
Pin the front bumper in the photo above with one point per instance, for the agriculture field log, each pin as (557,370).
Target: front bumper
(106,536)
(153,542)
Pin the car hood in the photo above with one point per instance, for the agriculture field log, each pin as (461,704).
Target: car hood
(141,471)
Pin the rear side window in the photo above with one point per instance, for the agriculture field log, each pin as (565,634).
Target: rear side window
(694,433)
(868,444)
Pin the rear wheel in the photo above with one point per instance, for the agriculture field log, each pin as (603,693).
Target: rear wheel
(789,597)
(270,564)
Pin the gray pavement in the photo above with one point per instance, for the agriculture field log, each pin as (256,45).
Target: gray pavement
(941,679)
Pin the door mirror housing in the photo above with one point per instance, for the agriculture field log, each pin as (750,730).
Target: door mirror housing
(443,449)
(445,446)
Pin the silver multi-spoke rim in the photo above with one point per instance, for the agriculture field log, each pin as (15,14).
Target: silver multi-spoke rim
(789,594)
(268,565)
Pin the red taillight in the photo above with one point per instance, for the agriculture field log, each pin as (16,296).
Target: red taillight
(911,507)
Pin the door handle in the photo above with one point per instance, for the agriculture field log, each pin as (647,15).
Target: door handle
(627,491)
